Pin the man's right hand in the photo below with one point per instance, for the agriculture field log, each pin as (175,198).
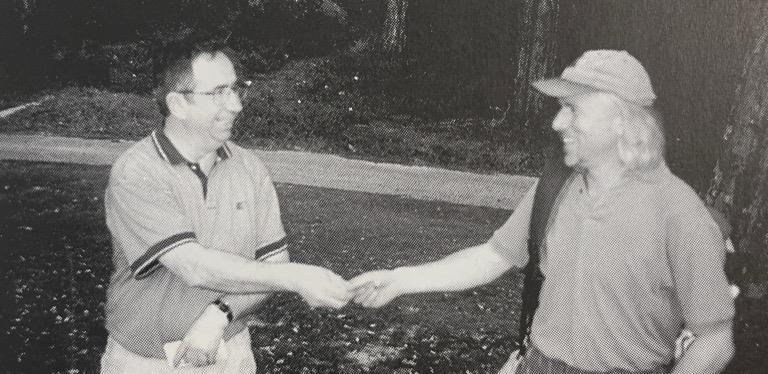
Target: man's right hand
(319,287)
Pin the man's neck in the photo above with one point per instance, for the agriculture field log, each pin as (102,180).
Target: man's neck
(188,145)
(603,177)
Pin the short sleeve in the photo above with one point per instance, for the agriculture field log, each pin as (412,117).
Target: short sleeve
(697,257)
(144,217)
(511,239)
(271,234)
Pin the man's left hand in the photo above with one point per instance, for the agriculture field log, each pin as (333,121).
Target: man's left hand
(201,342)
(377,288)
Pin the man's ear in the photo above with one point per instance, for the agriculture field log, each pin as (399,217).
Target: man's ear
(177,105)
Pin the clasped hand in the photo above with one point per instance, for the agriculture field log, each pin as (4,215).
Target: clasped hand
(321,287)
(376,288)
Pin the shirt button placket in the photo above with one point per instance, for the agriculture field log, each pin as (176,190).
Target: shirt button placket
(583,262)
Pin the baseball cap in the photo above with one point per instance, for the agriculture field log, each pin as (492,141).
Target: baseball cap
(611,71)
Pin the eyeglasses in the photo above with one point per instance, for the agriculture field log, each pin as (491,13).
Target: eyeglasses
(220,95)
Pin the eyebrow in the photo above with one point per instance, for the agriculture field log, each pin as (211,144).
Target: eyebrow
(220,87)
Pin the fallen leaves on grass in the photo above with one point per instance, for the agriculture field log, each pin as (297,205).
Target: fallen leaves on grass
(373,354)
(59,270)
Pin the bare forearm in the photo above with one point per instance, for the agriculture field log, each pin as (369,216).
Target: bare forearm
(462,270)
(242,305)
(225,272)
(709,353)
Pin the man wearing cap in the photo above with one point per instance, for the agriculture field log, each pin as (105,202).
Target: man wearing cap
(196,231)
(630,253)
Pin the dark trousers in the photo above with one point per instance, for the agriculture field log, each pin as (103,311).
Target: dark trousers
(535,362)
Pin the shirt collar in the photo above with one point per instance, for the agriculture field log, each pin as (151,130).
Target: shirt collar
(169,153)
(657,174)
(633,177)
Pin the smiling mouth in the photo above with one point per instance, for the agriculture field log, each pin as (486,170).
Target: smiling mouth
(229,122)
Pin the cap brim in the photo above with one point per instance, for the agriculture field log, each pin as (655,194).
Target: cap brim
(558,87)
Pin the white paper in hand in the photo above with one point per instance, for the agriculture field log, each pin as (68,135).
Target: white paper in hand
(171,348)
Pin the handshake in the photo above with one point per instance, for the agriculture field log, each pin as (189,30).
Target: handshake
(321,287)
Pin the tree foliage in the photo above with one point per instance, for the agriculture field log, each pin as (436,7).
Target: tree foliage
(51,40)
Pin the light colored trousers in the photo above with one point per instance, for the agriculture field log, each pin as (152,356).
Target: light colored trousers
(118,360)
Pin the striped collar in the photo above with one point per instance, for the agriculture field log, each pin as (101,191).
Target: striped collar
(169,153)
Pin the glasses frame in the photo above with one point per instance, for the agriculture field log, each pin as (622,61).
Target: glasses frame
(220,95)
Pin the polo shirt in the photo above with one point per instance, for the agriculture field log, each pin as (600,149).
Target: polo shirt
(624,271)
(156,201)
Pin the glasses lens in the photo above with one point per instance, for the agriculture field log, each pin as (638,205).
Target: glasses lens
(241,88)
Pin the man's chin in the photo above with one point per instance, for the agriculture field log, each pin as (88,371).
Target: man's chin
(570,161)
(222,136)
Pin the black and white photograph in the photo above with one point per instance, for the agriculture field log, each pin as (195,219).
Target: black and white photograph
(384,186)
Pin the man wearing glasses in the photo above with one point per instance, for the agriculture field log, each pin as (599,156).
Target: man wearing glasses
(197,237)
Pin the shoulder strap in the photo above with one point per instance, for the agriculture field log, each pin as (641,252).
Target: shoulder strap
(554,176)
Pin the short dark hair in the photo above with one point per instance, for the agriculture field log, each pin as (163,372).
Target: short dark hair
(173,63)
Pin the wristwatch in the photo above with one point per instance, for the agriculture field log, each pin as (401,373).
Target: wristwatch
(224,308)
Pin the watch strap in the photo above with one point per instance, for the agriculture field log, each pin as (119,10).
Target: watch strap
(224,308)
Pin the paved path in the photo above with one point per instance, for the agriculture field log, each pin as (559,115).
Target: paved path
(9,111)
(311,169)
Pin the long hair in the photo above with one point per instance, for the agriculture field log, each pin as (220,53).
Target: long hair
(641,136)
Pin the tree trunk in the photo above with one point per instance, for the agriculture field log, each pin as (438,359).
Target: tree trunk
(536,58)
(333,10)
(393,35)
(740,183)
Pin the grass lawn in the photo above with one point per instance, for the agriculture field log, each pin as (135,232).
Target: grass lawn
(59,263)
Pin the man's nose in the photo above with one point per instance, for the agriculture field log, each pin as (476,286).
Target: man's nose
(234,104)
(561,120)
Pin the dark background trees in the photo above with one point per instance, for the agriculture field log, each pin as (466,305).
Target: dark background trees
(740,182)
(538,50)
